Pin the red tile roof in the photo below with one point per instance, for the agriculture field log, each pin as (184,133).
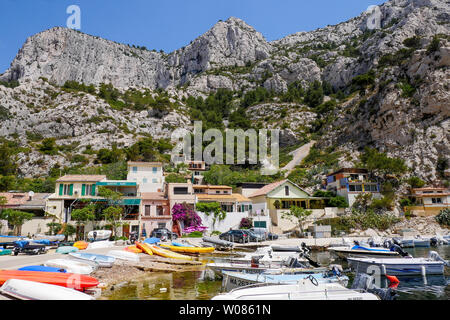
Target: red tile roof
(266,189)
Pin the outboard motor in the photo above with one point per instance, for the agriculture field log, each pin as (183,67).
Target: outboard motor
(387,243)
(366,282)
(396,241)
(255,261)
(294,263)
(434,242)
(356,242)
(133,237)
(397,248)
(305,248)
(313,263)
(336,270)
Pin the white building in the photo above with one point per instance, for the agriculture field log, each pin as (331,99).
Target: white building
(148,175)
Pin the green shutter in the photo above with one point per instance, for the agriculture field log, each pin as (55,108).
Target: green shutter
(83,189)
(70,189)
(93,190)
(61,189)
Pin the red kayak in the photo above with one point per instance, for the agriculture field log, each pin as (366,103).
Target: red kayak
(68,280)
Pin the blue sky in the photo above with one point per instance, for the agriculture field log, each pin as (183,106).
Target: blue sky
(168,24)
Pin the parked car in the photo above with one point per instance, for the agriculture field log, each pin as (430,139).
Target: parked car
(262,232)
(240,236)
(254,237)
(163,234)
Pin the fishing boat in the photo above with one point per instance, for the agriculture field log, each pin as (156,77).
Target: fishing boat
(232,280)
(431,265)
(42,269)
(101,244)
(99,235)
(411,242)
(218,242)
(123,255)
(6,241)
(220,268)
(267,257)
(72,266)
(102,260)
(66,249)
(69,280)
(362,251)
(31,290)
(196,250)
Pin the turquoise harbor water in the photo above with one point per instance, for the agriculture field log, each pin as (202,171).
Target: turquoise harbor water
(199,286)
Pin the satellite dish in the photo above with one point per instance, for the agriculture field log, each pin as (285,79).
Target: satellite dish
(31,193)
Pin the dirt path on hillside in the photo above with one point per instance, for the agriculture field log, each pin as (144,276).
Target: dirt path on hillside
(299,155)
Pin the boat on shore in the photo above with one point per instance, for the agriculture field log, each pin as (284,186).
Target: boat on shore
(194,250)
(69,280)
(100,244)
(66,249)
(42,269)
(99,235)
(168,254)
(72,266)
(410,242)
(32,290)
(56,238)
(232,280)
(433,265)
(102,260)
(123,255)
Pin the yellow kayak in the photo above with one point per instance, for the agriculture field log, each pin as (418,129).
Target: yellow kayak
(189,249)
(168,254)
(144,247)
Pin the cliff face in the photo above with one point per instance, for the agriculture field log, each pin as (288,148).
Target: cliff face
(233,55)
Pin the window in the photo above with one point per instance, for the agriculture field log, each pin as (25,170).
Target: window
(134,169)
(147,211)
(155,169)
(161,225)
(286,190)
(159,211)
(88,189)
(358,187)
(217,192)
(436,200)
(144,180)
(371,187)
(180,190)
(154,180)
(66,190)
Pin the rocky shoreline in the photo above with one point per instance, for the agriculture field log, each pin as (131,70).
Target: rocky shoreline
(124,271)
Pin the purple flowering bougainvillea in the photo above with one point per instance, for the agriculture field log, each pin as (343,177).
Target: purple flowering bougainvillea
(190,218)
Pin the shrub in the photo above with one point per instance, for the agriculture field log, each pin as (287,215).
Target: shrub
(416,182)
(246,223)
(444,217)
(434,45)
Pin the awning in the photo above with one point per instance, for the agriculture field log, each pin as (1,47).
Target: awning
(117,183)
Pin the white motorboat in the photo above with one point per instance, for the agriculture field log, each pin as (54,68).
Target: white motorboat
(123,255)
(30,290)
(362,251)
(303,290)
(266,256)
(102,260)
(71,266)
(99,235)
(432,265)
(411,242)
(219,268)
(232,280)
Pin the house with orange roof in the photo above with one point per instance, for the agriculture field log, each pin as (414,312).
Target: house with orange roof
(276,198)
(235,205)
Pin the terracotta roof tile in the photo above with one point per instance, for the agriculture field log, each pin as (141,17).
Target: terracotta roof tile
(266,189)
(81,177)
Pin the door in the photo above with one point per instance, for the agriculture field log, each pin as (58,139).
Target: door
(126,231)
